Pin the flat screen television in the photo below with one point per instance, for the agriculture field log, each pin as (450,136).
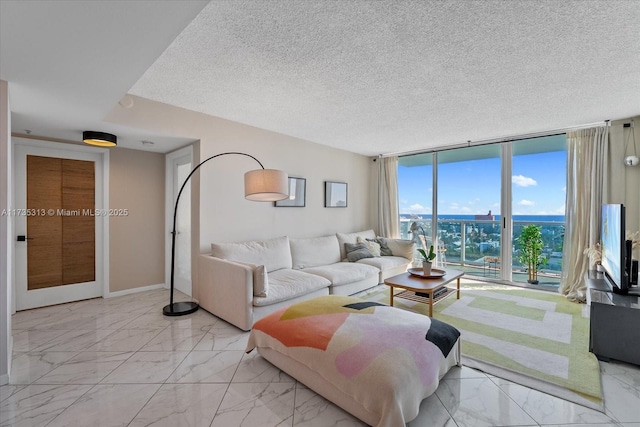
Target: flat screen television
(613,243)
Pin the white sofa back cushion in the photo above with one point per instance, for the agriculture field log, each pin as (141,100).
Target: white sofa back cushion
(352,238)
(314,251)
(274,254)
(403,248)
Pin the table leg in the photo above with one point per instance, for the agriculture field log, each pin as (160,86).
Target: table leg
(391,296)
(458,289)
(431,304)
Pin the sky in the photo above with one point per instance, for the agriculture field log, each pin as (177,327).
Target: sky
(473,187)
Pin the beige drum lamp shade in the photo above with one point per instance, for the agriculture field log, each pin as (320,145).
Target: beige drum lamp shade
(266,185)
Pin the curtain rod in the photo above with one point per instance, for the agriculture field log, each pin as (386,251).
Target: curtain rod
(496,140)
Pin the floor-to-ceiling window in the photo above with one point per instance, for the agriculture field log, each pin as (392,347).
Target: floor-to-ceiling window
(482,197)
(469,207)
(415,198)
(538,186)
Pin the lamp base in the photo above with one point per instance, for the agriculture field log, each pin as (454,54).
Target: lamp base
(180,308)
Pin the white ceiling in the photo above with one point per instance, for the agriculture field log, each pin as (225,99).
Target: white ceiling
(367,76)
(68,63)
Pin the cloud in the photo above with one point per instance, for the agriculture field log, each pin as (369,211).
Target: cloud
(525,202)
(417,208)
(523,181)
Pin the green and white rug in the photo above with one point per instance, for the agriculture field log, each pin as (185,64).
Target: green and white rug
(534,338)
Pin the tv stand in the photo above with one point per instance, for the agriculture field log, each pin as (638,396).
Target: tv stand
(614,332)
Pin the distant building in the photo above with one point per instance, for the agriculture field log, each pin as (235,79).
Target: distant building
(487,217)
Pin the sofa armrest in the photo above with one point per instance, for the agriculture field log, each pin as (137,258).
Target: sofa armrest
(226,290)
(400,247)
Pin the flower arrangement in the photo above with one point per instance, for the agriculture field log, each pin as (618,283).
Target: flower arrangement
(426,260)
(635,241)
(427,257)
(594,253)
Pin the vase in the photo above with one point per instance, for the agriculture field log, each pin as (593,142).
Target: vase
(426,268)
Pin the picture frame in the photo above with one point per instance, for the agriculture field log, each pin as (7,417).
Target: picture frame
(297,194)
(335,194)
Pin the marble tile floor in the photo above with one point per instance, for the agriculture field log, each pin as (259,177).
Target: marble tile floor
(120,362)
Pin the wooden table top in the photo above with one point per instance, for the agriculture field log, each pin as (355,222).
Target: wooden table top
(418,284)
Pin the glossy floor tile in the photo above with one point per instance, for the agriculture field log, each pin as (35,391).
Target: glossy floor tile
(120,362)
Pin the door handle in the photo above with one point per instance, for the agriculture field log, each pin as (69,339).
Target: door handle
(24,238)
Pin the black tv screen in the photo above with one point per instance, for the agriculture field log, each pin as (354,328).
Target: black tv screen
(613,245)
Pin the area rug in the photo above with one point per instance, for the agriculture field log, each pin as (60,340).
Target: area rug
(534,338)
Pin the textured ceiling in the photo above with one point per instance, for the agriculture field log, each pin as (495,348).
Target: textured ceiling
(378,77)
(367,76)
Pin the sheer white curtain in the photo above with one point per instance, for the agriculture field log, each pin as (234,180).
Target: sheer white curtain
(388,213)
(587,159)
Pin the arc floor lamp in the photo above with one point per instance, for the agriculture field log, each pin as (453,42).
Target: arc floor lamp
(260,185)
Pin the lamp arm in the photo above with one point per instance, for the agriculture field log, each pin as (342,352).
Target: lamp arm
(175,210)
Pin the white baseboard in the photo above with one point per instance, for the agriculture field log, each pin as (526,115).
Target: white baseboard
(135,290)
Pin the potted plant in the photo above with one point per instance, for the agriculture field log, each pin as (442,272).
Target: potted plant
(530,247)
(426,260)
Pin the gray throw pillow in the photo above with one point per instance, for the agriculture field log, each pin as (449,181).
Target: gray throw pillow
(384,249)
(357,251)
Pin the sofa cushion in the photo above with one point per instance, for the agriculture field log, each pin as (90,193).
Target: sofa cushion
(357,251)
(274,254)
(385,262)
(343,273)
(384,249)
(286,283)
(373,246)
(352,238)
(403,248)
(260,279)
(314,251)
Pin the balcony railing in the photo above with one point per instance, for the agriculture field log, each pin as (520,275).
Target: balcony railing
(474,246)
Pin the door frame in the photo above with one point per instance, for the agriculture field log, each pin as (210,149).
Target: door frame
(169,208)
(100,156)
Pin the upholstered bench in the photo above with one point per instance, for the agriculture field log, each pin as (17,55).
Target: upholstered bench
(374,361)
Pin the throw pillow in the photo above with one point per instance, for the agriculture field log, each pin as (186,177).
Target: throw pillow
(384,249)
(357,251)
(260,279)
(373,247)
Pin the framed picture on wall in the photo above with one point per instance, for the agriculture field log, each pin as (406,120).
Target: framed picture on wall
(297,194)
(335,194)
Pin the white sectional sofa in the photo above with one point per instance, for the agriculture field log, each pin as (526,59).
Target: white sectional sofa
(243,282)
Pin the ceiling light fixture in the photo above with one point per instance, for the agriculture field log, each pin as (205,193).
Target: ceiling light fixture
(630,160)
(101,139)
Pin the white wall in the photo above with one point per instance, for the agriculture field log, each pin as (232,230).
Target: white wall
(624,183)
(224,213)
(6,233)
(136,183)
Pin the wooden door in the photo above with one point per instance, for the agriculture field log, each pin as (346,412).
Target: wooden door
(61,222)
